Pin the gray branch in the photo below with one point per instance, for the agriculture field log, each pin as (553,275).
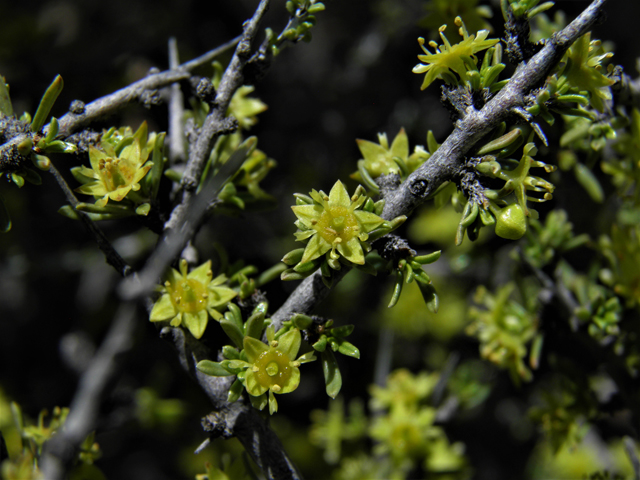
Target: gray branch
(109,104)
(449,159)
(176,111)
(238,419)
(216,122)
(111,255)
(60,451)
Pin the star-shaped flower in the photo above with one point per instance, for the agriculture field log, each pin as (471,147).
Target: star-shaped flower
(115,171)
(274,367)
(459,57)
(336,224)
(189,298)
(583,70)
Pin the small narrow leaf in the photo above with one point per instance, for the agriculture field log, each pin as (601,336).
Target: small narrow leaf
(5,220)
(213,368)
(232,331)
(6,108)
(332,377)
(430,296)
(46,103)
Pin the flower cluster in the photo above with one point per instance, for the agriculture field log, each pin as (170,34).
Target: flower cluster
(504,328)
(404,427)
(382,159)
(506,208)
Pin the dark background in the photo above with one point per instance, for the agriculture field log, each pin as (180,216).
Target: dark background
(352,81)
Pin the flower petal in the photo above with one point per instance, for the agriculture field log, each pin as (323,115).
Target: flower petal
(196,322)
(293,382)
(400,145)
(119,193)
(95,156)
(163,309)
(220,296)
(252,385)
(289,343)
(352,251)
(339,195)
(308,214)
(177,320)
(368,220)
(93,188)
(253,348)
(316,247)
(202,274)
(273,403)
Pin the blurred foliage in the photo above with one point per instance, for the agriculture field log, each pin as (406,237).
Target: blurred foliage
(538,366)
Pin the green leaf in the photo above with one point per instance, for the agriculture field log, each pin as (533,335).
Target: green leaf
(293,257)
(52,131)
(155,174)
(589,182)
(321,344)
(17,179)
(230,353)
(5,220)
(235,391)
(343,331)
(143,209)
(47,101)
(301,321)
(254,324)
(332,377)
(430,296)
(214,369)
(66,210)
(259,402)
(426,259)
(232,331)
(6,108)
(347,348)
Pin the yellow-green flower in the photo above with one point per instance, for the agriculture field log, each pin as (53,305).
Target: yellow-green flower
(583,70)
(273,367)
(117,167)
(189,298)
(378,158)
(459,57)
(335,224)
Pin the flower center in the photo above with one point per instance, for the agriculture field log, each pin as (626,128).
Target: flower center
(189,296)
(337,222)
(273,369)
(115,173)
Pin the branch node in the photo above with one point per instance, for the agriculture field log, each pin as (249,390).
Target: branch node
(77,107)
(419,187)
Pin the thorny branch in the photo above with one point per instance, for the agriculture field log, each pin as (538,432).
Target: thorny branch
(216,122)
(109,104)
(449,159)
(93,386)
(239,419)
(111,255)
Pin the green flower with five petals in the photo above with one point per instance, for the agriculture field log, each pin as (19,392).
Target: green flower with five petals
(274,367)
(189,298)
(115,170)
(335,224)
